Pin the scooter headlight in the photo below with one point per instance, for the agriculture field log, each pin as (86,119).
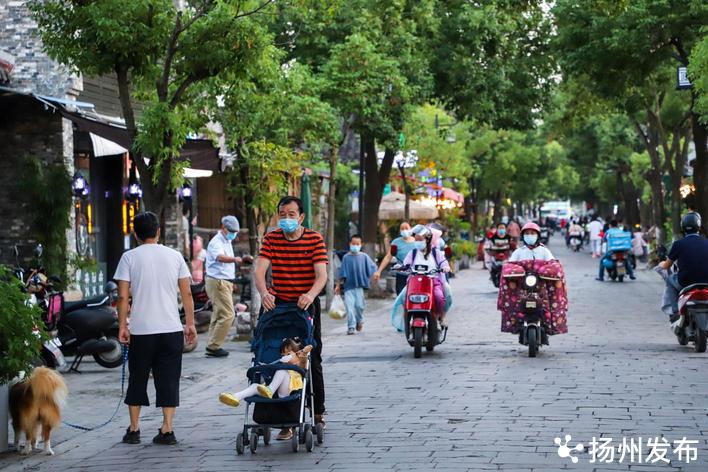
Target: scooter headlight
(418,298)
(531,280)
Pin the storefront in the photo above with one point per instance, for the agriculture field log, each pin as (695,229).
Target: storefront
(106,193)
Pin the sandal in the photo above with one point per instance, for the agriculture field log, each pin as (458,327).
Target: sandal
(284,434)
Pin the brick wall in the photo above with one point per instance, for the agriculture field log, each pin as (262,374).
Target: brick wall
(26,130)
(34,71)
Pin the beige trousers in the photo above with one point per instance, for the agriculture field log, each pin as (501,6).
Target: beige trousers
(220,293)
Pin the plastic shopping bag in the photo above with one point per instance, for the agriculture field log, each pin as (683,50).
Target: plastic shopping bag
(337,310)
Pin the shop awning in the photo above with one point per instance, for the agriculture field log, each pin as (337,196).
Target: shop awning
(201,153)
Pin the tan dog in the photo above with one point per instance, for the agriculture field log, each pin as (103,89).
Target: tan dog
(34,402)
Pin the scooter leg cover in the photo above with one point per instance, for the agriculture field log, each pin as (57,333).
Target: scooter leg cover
(555,302)
(448,296)
(397,311)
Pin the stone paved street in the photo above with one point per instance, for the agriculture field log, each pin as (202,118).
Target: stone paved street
(477,403)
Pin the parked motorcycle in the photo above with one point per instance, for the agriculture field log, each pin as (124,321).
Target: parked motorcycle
(420,322)
(202,307)
(85,327)
(90,327)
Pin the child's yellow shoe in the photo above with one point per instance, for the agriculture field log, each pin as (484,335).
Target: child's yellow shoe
(264,391)
(229,399)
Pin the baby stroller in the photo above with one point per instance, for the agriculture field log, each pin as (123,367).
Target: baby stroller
(285,321)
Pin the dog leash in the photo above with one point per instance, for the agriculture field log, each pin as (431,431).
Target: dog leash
(122,391)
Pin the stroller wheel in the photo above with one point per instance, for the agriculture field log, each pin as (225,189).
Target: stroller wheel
(254,442)
(266,435)
(240,443)
(309,440)
(319,431)
(295,442)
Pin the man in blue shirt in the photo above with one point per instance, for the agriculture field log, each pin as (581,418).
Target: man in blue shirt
(220,273)
(690,255)
(613,231)
(354,275)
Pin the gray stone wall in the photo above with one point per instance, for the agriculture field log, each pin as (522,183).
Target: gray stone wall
(26,130)
(34,71)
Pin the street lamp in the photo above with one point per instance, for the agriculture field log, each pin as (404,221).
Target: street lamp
(185,197)
(135,191)
(79,186)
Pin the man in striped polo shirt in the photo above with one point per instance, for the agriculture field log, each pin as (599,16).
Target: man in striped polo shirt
(298,260)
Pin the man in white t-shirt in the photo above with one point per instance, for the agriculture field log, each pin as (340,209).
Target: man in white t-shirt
(595,228)
(153,275)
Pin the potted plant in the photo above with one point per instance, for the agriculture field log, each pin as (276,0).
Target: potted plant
(20,342)
(461,250)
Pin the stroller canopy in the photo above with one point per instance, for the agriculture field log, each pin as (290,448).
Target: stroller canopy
(285,321)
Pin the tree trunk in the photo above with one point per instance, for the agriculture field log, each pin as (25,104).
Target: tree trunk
(376,178)
(657,202)
(407,192)
(629,196)
(675,161)
(244,191)
(331,221)
(471,206)
(653,176)
(700,168)
(498,199)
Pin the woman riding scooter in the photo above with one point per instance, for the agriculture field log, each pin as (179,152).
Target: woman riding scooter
(427,254)
(533,288)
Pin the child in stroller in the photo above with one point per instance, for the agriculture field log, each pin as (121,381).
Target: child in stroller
(284,381)
(280,381)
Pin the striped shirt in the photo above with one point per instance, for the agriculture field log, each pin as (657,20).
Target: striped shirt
(293,262)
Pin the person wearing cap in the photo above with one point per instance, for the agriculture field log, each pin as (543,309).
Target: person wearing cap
(220,273)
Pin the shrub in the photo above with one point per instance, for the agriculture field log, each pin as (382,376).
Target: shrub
(21,327)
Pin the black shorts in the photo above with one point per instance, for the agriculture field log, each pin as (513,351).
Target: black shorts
(161,353)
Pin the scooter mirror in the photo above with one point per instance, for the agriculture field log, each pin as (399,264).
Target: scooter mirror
(448,252)
(394,249)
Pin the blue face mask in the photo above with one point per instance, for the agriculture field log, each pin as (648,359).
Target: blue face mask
(288,225)
(355,249)
(530,239)
(501,232)
(406,233)
(231,236)
(420,245)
